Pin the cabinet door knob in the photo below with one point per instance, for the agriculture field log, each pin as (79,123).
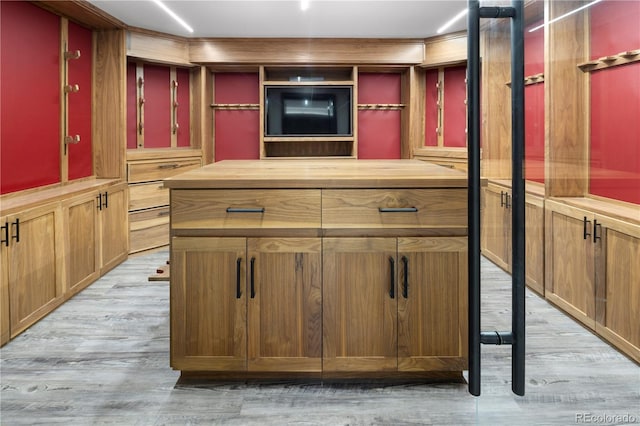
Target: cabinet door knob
(392,281)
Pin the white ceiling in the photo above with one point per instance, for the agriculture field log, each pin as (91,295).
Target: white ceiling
(284,18)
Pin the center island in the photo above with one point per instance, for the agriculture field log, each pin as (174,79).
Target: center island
(319,268)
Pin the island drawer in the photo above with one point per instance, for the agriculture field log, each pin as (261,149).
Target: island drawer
(147,195)
(394,208)
(231,209)
(145,171)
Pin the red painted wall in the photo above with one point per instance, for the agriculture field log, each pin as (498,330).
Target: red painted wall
(30,97)
(379,131)
(237,132)
(80,159)
(157,106)
(615,104)
(184,135)
(455,110)
(132,106)
(534,105)
(431,109)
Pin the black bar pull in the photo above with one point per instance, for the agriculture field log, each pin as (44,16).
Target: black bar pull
(238,269)
(405,287)
(392,280)
(245,210)
(106,199)
(253,283)
(5,240)
(507,204)
(17,235)
(585,234)
(99,197)
(397,209)
(595,231)
(501,198)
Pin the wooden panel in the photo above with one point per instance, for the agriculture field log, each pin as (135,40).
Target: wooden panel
(379,134)
(82,11)
(207,209)
(413,94)
(114,228)
(208,319)
(201,121)
(5,322)
(237,88)
(148,229)
(359,312)
(360,208)
(147,195)
(285,311)
(237,135)
(132,106)
(566,97)
(109,113)
(79,72)
(305,51)
(431,304)
(534,243)
(455,112)
(157,106)
(158,47)
(184,105)
(496,226)
(30,136)
(145,171)
(445,50)
(81,254)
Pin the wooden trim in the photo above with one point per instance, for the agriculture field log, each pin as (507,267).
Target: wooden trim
(158,47)
(64,101)
(449,49)
(83,12)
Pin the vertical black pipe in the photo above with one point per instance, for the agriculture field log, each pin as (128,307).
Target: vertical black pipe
(518,205)
(473,133)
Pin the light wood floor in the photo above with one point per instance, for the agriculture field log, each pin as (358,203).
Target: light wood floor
(103,358)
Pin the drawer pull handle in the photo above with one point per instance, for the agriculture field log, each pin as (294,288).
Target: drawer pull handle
(241,210)
(392,284)
(405,288)
(596,225)
(585,234)
(253,283)
(5,240)
(164,213)
(169,166)
(397,209)
(238,269)
(17,235)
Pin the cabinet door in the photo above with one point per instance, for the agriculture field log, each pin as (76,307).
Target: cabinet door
(114,227)
(81,251)
(618,284)
(569,281)
(35,265)
(432,304)
(534,243)
(208,304)
(496,227)
(285,304)
(359,305)
(4,283)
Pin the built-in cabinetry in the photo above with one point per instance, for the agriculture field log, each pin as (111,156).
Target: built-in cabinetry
(56,242)
(299,275)
(592,267)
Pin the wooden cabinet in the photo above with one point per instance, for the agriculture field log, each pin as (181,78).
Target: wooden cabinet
(246,304)
(496,232)
(5,322)
(319,267)
(113,223)
(32,262)
(600,285)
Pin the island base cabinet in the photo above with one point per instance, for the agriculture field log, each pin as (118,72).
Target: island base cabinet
(432,304)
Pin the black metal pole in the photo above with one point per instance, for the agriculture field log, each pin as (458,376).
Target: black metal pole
(473,133)
(518,206)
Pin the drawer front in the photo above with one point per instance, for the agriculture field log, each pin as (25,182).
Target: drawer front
(148,195)
(148,229)
(146,171)
(245,209)
(394,208)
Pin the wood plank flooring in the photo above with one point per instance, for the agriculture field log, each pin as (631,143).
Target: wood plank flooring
(103,358)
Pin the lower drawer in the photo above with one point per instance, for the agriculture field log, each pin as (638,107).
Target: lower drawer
(148,229)
(148,195)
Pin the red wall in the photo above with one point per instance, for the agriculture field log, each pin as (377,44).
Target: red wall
(30,97)
(157,106)
(237,132)
(455,117)
(79,103)
(379,131)
(183,134)
(534,105)
(615,103)
(431,108)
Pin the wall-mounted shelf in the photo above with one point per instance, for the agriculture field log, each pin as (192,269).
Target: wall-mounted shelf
(621,58)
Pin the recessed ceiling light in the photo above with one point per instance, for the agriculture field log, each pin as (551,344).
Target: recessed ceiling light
(304,4)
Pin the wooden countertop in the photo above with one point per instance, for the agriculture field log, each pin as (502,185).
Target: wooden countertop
(247,174)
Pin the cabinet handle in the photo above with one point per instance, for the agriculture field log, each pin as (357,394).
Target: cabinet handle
(405,287)
(595,230)
(248,210)
(585,234)
(507,198)
(501,198)
(99,197)
(17,236)
(253,284)
(397,209)
(238,268)
(392,287)
(168,166)
(5,240)
(106,199)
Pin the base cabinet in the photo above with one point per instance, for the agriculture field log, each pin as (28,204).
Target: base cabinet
(83,256)
(593,272)
(114,227)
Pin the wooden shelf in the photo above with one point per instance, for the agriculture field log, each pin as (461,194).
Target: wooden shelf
(621,58)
